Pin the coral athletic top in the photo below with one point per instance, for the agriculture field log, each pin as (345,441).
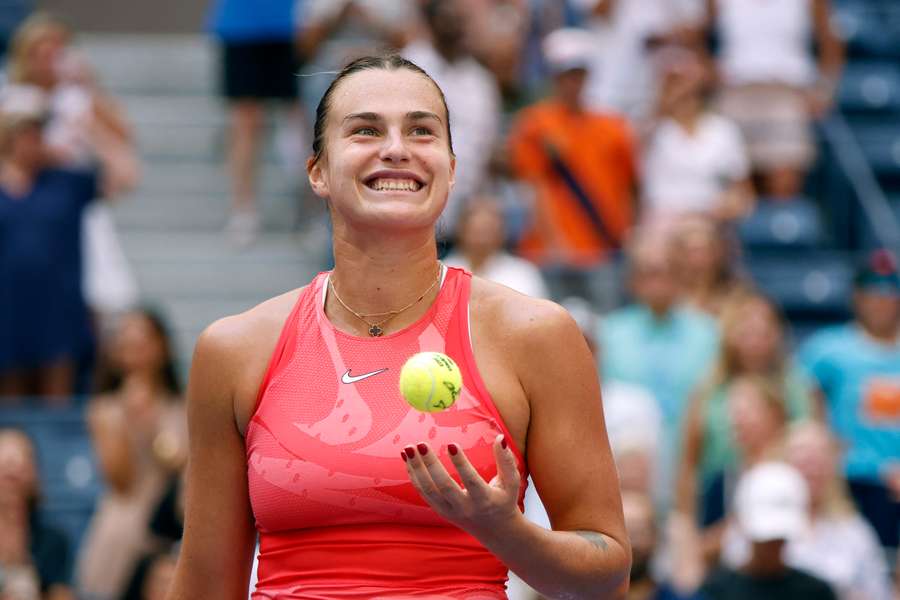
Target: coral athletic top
(336,513)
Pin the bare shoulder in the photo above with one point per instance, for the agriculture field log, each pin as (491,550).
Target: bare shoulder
(235,351)
(520,318)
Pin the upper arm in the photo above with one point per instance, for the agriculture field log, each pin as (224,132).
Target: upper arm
(219,533)
(830,46)
(567,447)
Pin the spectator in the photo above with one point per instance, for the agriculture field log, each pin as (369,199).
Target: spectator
(258,65)
(838,546)
(480,249)
(139,433)
(83,121)
(695,160)
(42,312)
(582,166)
(332,33)
(705,265)
(757,418)
(658,344)
(646,584)
(771,507)
(472,96)
(626,32)
(35,559)
(153,577)
(857,368)
(772,86)
(752,345)
(497,33)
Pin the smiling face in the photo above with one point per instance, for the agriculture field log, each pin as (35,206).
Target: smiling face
(387,163)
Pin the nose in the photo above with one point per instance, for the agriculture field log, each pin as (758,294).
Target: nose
(393,147)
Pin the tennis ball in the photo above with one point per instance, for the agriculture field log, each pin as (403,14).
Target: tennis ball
(430,381)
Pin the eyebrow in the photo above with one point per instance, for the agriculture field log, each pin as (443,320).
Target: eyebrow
(416,115)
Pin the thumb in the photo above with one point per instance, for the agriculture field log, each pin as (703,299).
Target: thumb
(507,465)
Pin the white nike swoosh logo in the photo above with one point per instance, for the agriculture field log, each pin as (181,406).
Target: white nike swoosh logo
(348,378)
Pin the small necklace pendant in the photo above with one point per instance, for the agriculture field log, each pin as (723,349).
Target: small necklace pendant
(376,331)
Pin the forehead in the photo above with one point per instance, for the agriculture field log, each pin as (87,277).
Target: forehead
(389,93)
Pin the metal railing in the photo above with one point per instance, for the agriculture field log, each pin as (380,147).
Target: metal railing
(866,188)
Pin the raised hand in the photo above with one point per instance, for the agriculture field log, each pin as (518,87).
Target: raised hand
(478,506)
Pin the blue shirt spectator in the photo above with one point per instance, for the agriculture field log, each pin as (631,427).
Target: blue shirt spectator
(857,368)
(658,344)
(252,20)
(858,374)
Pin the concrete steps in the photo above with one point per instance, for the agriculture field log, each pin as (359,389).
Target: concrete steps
(171,226)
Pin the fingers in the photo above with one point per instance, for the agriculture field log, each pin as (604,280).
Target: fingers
(430,478)
(473,483)
(507,466)
(440,490)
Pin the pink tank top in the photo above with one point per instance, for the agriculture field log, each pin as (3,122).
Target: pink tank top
(336,514)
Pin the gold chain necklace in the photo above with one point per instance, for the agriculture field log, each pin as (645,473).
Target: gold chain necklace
(376,329)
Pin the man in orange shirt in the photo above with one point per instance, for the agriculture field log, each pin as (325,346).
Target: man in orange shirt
(582,166)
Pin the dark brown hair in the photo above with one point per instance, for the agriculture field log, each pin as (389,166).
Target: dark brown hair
(389,62)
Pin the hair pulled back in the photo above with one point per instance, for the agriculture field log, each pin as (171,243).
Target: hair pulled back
(389,62)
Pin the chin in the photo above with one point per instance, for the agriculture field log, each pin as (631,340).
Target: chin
(397,212)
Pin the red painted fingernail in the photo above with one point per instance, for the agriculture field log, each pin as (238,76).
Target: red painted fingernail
(452,449)
(423,449)
(410,452)
(503,442)
(403,455)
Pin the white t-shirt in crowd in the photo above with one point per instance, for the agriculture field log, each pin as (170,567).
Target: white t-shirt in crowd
(473,99)
(688,172)
(766,41)
(506,269)
(844,552)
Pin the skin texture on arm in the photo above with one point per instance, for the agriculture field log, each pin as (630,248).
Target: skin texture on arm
(219,533)
(587,555)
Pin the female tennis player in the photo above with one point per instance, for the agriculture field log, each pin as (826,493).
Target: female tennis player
(298,432)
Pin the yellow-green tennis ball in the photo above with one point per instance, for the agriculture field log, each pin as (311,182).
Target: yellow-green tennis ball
(430,381)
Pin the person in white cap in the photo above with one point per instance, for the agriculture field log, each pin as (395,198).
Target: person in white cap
(771,506)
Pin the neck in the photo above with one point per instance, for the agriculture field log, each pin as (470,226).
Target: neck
(660,313)
(687,114)
(766,559)
(887,336)
(381,273)
(15,175)
(449,52)
(477,258)
(144,380)
(573,105)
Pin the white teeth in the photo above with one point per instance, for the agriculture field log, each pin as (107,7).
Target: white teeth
(395,185)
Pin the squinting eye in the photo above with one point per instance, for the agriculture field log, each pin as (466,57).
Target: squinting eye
(422,131)
(365,131)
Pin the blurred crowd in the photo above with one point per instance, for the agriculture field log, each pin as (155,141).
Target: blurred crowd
(607,151)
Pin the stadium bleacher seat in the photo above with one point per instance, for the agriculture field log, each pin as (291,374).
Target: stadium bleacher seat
(70,480)
(870,86)
(809,286)
(783,225)
(870,28)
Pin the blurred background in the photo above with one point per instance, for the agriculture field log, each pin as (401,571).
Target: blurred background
(711,187)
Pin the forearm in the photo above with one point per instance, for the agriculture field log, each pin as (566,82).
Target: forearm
(562,564)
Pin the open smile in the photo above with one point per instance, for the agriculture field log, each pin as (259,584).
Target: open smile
(394,181)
